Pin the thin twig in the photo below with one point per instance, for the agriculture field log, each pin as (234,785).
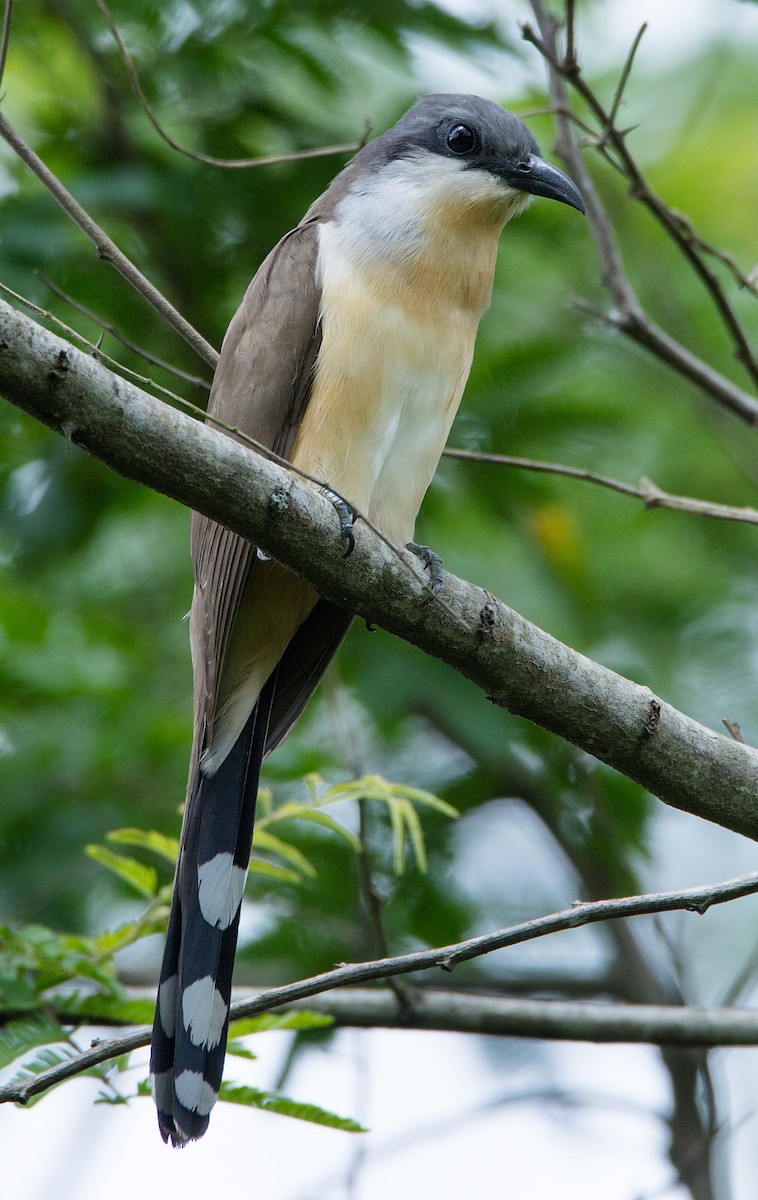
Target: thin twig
(636,324)
(155,388)
(624,76)
(374,906)
(599,142)
(106,248)
(550,110)
(628,315)
(690,900)
(744,979)
(6,37)
(107,327)
(639,187)
(570,36)
(723,256)
(210,160)
(650,494)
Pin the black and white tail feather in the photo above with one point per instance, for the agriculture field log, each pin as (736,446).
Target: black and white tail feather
(192,1013)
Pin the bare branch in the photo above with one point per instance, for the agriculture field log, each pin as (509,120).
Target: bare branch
(654,1023)
(210,160)
(639,187)
(723,256)
(570,36)
(107,327)
(637,325)
(649,492)
(470,1011)
(6,37)
(517,665)
(106,248)
(97,352)
(624,78)
(628,315)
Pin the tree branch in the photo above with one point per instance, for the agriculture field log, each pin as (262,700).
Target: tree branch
(651,495)
(738,1028)
(5,37)
(107,327)
(458,1011)
(628,315)
(517,665)
(209,159)
(623,160)
(106,247)
(560,1020)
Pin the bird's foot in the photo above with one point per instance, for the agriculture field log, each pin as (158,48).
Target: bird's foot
(346,517)
(432,563)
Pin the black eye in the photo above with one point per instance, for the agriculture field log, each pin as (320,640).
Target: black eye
(461,140)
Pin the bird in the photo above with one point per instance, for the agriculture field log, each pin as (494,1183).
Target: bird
(347,357)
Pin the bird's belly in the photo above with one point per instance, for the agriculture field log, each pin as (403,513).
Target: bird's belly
(386,391)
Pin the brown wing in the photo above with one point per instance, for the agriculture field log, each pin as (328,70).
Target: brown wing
(262,386)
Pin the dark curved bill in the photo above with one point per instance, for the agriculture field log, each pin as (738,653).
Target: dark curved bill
(541,178)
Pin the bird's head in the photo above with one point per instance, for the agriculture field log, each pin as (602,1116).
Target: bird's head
(473,146)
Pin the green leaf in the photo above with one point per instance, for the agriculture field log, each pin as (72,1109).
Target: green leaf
(239,1049)
(264,803)
(106,1008)
(273,1102)
(47,1058)
(300,812)
(263,840)
(147,839)
(17,992)
(112,1097)
(296,1019)
(416,834)
(427,799)
(143,879)
(399,800)
(376,787)
(153,921)
(394,808)
(261,866)
(321,818)
(53,1056)
(19,1036)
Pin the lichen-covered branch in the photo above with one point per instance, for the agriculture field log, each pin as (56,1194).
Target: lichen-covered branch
(516,664)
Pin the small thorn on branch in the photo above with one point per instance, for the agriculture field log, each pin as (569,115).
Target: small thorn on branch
(734,730)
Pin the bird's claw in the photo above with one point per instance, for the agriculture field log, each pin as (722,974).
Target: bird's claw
(432,563)
(346,519)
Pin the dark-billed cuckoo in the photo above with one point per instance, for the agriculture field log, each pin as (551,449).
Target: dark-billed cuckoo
(347,357)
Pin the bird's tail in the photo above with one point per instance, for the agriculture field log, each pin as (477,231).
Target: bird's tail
(192,1013)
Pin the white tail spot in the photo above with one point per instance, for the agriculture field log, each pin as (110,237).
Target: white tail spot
(194,1093)
(220,886)
(167,1005)
(204,1012)
(162,1093)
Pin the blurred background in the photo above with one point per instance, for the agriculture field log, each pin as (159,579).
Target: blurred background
(95,578)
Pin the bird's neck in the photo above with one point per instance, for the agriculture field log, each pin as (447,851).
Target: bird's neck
(421,240)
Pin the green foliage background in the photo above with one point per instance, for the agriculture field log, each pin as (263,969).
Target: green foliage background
(95,686)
